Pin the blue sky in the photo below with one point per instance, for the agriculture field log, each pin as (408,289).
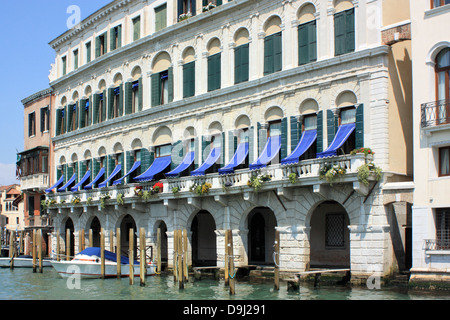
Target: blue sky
(25,57)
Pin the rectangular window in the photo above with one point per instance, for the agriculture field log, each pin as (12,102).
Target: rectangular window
(310,122)
(45,124)
(64,65)
(161,87)
(344,32)
(88,52)
(45,164)
(31,124)
(75,59)
(334,230)
(160,17)
(136,28)
(439,3)
(348,115)
(444,161)
(134,96)
(164,150)
(164,87)
(442,223)
(116,37)
(100,45)
(274,128)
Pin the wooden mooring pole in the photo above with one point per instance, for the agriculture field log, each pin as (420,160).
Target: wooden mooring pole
(142,263)
(102,252)
(91,237)
(226,270)
(175,255)
(81,240)
(12,236)
(231,271)
(158,251)
(21,243)
(68,244)
(277,261)
(118,254)
(131,255)
(185,262)
(39,245)
(180,260)
(33,249)
(58,244)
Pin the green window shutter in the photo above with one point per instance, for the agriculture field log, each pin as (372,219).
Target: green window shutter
(82,113)
(156,89)
(111,164)
(77,115)
(359,130)
(277,47)
(105,100)
(189,79)
(128,97)
(121,161)
(58,122)
(303,49)
(214,72)
(121,94)
(312,38)
(218,2)
(69,118)
(140,95)
(95,111)
(339,33)
(177,154)
(110,103)
(170,83)
(251,143)
(160,17)
(241,65)
(129,161)
(268,55)
(196,153)
(95,167)
(319,131)
(331,126)
(65,120)
(97,47)
(136,28)
(88,52)
(350,30)
(295,134)
(90,111)
(119,36)
(105,42)
(112,39)
(284,135)
(206,148)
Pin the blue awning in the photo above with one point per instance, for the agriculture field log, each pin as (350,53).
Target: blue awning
(238,158)
(157,166)
(55,185)
(85,177)
(307,139)
(112,175)
(187,161)
(71,180)
(271,149)
(133,168)
(212,158)
(99,175)
(344,131)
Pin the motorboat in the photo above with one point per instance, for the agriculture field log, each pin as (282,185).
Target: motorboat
(23,261)
(87,264)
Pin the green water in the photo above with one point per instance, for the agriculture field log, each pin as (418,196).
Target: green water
(23,284)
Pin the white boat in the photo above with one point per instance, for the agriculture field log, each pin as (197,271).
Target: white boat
(23,262)
(87,264)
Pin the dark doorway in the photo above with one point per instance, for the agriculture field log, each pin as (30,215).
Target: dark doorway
(164,251)
(125,226)
(257,238)
(261,236)
(69,226)
(204,250)
(96,228)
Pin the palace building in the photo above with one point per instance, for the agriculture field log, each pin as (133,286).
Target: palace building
(252,116)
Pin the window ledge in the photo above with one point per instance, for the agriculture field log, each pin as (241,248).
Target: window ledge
(437,11)
(437,252)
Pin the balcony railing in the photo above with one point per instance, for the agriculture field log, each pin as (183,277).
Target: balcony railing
(306,173)
(435,113)
(34,181)
(440,244)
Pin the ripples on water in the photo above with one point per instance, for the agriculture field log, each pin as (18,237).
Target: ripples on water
(23,284)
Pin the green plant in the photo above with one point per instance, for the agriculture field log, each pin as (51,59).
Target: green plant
(89,200)
(201,189)
(175,190)
(103,198)
(255,183)
(366,151)
(76,200)
(366,170)
(146,195)
(120,198)
(292,177)
(331,172)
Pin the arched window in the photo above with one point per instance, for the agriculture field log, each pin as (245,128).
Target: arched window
(241,56)
(443,85)
(272,46)
(344,27)
(162,80)
(214,65)
(189,72)
(307,35)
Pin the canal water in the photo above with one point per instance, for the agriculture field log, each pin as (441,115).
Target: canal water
(23,284)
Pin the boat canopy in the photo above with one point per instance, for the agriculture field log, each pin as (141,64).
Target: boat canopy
(55,185)
(111,256)
(71,180)
(85,177)
(344,131)
(307,139)
(99,175)
(210,160)
(112,175)
(157,166)
(133,168)
(187,161)
(238,158)
(271,149)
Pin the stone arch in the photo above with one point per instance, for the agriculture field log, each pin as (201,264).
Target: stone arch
(62,160)
(118,148)
(74,157)
(118,79)
(188,54)
(242,121)
(241,36)
(161,136)
(203,239)
(136,144)
(272,25)
(161,62)
(101,151)
(346,98)
(342,5)
(273,113)
(136,73)
(101,85)
(309,106)
(75,96)
(306,13)
(63,101)
(88,91)
(87,155)
(214,46)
